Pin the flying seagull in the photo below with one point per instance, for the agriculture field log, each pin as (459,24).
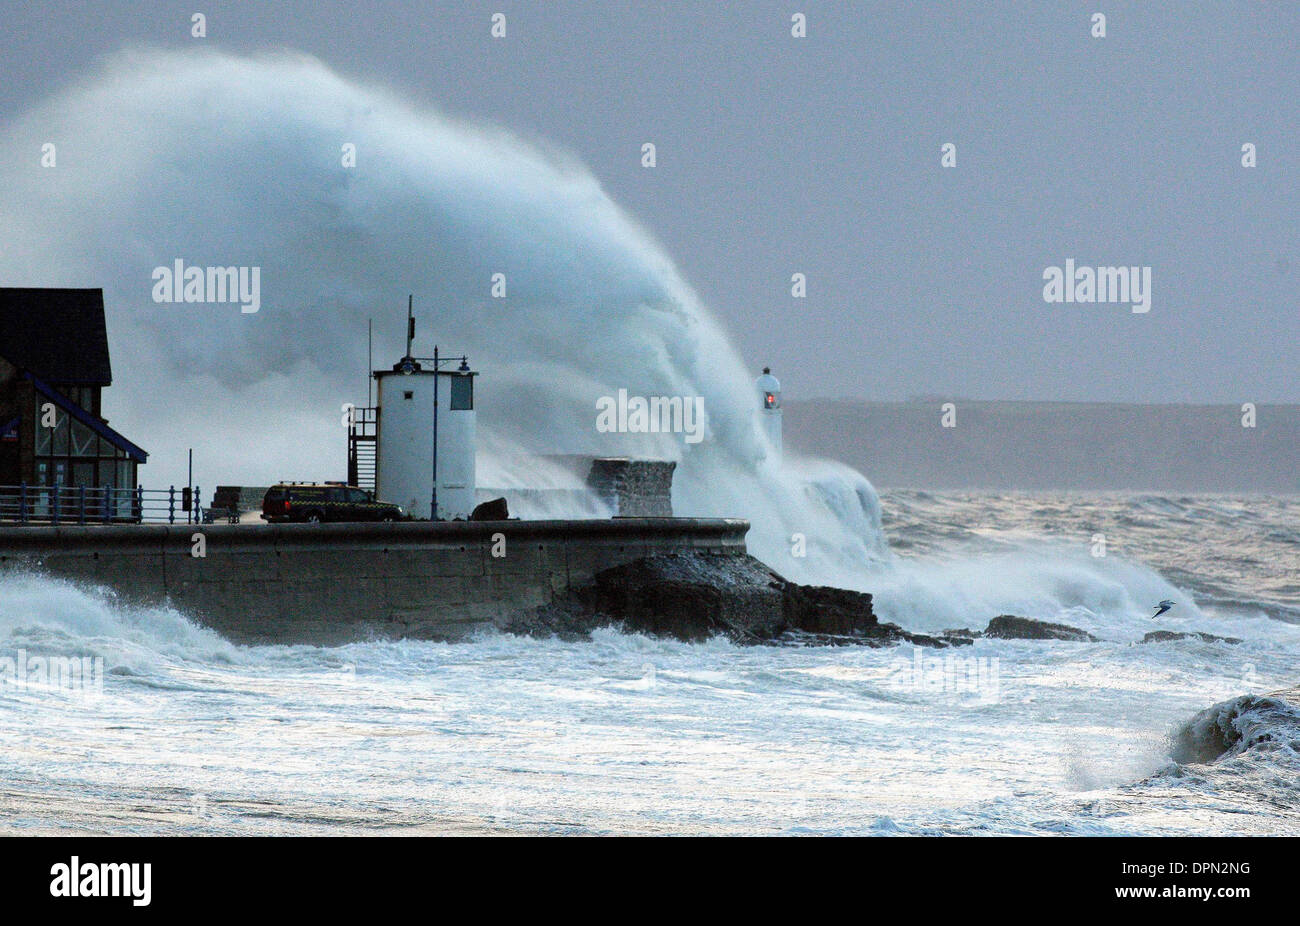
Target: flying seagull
(1164,606)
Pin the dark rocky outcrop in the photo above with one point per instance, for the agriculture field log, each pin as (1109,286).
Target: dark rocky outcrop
(1010,627)
(695,596)
(494,510)
(1167,636)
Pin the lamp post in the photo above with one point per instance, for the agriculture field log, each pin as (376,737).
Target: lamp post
(433,502)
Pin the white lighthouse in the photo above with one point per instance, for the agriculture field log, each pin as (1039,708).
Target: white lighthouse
(419,399)
(769,395)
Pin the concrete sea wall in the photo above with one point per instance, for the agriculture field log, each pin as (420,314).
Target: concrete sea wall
(335,583)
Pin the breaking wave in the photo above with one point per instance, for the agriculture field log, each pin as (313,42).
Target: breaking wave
(1248,723)
(220,160)
(40,614)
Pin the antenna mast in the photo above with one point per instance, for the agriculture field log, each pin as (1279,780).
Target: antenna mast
(410,322)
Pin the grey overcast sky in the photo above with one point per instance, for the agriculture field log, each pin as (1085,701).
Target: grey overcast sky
(821,155)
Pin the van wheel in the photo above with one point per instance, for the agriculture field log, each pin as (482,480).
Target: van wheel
(389,517)
(313,517)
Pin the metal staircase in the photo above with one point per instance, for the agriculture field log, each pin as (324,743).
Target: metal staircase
(363,437)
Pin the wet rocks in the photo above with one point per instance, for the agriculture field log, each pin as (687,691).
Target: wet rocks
(836,615)
(1167,636)
(692,596)
(495,510)
(1010,627)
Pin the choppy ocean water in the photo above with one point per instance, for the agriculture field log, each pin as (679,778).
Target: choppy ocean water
(625,734)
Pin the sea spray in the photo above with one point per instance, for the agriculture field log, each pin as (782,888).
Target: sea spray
(240,161)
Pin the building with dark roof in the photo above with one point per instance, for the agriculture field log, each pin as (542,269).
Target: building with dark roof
(54,365)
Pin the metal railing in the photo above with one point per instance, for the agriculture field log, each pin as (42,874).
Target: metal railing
(63,504)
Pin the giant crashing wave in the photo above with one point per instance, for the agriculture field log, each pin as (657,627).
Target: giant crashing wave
(223,160)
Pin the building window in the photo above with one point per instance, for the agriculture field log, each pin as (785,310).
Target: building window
(61,435)
(85,442)
(462,393)
(73,454)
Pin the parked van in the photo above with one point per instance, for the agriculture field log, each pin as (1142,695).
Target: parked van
(330,501)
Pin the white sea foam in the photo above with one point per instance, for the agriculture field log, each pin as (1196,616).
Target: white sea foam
(631,734)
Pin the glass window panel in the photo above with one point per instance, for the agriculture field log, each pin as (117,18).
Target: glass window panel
(84,440)
(83,474)
(61,435)
(462,393)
